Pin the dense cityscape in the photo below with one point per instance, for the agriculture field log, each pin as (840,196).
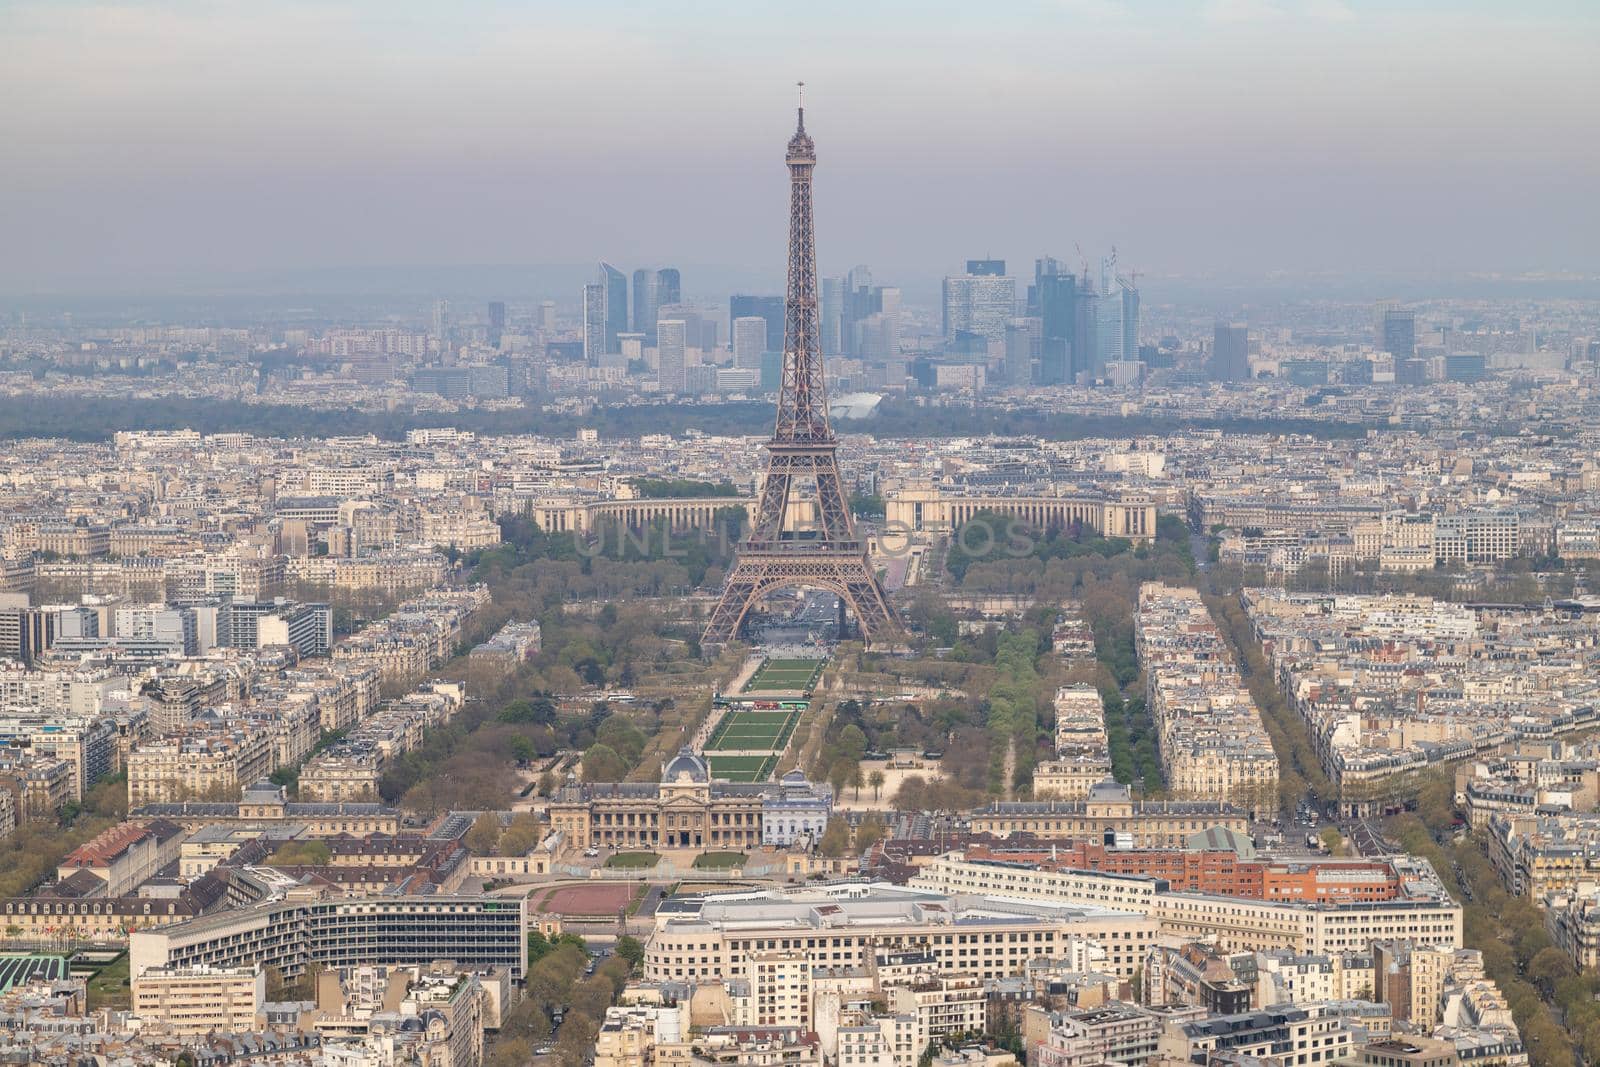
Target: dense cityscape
(1063,665)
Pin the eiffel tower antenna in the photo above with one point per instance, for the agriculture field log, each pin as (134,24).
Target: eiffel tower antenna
(802,446)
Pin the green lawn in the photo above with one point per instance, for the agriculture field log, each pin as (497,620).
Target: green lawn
(109,987)
(753,731)
(785,675)
(719,861)
(742,768)
(632,860)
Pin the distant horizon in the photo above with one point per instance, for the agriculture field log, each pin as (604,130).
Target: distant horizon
(417,285)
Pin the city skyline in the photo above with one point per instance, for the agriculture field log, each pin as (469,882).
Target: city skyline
(1222,137)
(1109,583)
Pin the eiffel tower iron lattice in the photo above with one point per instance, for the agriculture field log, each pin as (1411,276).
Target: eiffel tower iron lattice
(802,446)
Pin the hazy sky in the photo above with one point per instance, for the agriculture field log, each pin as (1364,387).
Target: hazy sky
(1227,135)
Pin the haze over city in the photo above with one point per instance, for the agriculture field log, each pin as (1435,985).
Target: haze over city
(195,142)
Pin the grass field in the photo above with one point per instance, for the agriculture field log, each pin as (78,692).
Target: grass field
(719,861)
(109,987)
(785,676)
(742,768)
(633,860)
(753,731)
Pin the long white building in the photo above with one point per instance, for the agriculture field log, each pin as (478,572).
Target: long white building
(1424,914)
(716,937)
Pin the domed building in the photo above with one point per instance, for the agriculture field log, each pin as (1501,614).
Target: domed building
(685,769)
(689,808)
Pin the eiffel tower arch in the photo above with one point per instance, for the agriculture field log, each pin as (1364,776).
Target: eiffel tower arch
(803,449)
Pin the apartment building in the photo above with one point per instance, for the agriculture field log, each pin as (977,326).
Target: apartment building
(209,766)
(303,927)
(200,1000)
(1116,1032)
(943,1006)
(1281,1036)
(1210,737)
(1083,755)
(1572,916)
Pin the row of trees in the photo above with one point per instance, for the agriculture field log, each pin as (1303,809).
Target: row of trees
(680,488)
(95,419)
(1299,769)
(1018,703)
(611,554)
(556,982)
(1131,738)
(32,852)
(1070,566)
(1554,1007)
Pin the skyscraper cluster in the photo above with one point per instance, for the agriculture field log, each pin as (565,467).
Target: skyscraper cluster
(858,318)
(605,307)
(1084,323)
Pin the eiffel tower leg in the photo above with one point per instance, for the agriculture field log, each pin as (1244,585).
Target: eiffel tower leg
(868,603)
(833,510)
(847,575)
(738,593)
(774,505)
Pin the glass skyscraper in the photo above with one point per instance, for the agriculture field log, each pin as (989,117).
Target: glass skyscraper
(594,323)
(646,299)
(981,302)
(669,286)
(1056,294)
(615,284)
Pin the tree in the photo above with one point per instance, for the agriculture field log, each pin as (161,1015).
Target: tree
(835,839)
(576,1040)
(484,836)
(1547,967)
(853,742)
(274,981)
(522,750)
(876,780)
(856,779)
(602,764)
(912,794)
(630,949)
(840,773)
(521,836)
(511,1051)
(869,833)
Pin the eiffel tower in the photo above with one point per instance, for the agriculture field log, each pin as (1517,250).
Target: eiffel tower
(802,446)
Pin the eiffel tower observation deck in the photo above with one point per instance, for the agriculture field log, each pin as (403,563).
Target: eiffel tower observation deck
(803,449)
